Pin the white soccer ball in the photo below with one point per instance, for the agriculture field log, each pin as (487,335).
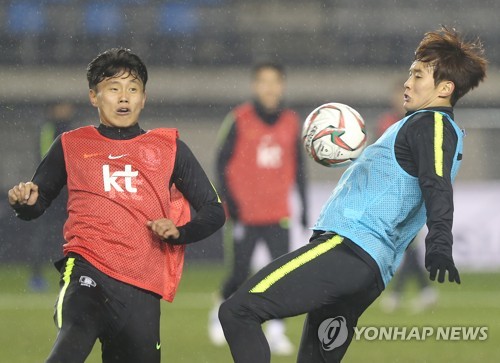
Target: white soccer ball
(334,134)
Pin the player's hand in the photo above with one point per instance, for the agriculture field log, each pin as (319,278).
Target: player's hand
(164,228)
(23,194)
(437,262)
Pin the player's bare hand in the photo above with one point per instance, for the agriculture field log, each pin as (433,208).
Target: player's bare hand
(23,194)
(164,228)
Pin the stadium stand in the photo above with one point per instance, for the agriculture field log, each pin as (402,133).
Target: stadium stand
(222,32)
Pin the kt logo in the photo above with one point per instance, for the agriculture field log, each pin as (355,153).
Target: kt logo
(333,333)
(110,180)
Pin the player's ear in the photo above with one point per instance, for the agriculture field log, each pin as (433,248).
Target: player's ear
(144,99)
(446,89)
(93,97)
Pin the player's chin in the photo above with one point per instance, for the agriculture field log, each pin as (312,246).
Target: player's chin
(124,120)
(409,107)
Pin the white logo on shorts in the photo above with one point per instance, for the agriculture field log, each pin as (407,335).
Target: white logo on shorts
(87,281)
(333,333)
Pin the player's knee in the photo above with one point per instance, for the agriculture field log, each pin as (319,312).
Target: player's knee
(226,312)
(233,311)
(229,289)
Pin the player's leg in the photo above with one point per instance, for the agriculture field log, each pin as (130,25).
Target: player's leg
(391,300)
(328,331)
(245,238)
(36,253)
(427,296)
(415,266)
(135,336)
(315,275)
(277,239)
(243,243)
(77,314)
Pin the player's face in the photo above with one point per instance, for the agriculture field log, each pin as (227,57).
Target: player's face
(119,100)
(268,88)
(421,91)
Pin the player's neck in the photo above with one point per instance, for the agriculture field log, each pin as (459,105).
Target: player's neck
(268,116)
(120,133)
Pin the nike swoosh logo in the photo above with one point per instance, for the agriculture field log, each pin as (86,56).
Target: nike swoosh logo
(86,156)
(112,157)
(158,346)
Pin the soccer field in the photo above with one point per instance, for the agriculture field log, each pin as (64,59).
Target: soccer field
(27,331)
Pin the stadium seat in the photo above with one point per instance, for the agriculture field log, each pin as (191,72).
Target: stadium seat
(103,19)
(178,19)
(25,18)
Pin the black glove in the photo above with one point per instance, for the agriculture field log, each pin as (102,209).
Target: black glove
(435,262)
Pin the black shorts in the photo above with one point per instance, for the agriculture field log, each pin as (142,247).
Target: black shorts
(92,305)
(331,279)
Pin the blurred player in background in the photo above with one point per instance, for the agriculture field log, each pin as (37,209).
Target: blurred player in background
(381,202)
(412,265)
(47,230)
(395,113)
(129,193)
(260,160)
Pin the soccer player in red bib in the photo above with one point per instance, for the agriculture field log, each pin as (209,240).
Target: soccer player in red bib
(129,197)
(259,162)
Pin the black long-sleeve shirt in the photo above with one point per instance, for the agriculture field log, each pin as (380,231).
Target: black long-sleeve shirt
(226,152)
(415,153)
(188,177)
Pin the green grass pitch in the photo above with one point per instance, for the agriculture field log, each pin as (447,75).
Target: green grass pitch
(27,330)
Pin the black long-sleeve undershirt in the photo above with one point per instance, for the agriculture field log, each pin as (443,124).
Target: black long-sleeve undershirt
(226,152)
(188,177)
(415,152)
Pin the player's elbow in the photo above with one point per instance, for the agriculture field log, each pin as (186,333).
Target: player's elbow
(219,216)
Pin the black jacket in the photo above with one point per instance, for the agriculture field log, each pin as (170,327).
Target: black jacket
(188,177)
(415,152)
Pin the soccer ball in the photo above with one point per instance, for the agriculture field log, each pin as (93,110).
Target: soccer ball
(334,134)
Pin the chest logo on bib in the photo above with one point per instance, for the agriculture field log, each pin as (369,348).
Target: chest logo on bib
(114,180)
(269,154)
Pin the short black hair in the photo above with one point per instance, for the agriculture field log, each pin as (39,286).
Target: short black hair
(115,62)
(278,67)
(453,59)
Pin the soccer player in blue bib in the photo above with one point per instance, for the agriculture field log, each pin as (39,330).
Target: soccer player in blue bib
(401,182)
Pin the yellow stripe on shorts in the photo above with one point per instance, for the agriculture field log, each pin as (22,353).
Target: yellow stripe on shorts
(66,278)
(438,143)
(294,264)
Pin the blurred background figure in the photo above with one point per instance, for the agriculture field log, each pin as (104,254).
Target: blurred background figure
(412,266)
(46,239)
(259,162)
(396,112)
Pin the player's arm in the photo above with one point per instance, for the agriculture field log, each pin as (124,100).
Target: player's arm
(226,142)
(30,200)
(301,180)
(433,143)
(191,180)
